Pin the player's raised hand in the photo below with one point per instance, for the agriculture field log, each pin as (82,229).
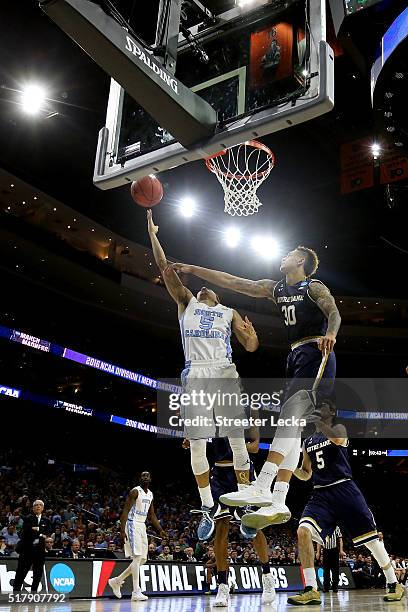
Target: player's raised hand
(151,227)
(181,267)
(247,327)
(326,343)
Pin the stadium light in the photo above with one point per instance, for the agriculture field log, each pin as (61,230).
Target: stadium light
(265,246)
(376,149)
(244,3)
(232,237)
(187,207)
(33,98)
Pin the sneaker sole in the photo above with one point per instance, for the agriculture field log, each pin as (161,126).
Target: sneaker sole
(241,503)
(312,602)
(256,521)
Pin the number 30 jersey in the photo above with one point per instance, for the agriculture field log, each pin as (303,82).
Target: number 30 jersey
(330,462)
(300,313)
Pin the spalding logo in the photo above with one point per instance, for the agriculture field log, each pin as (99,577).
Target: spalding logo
(62,578)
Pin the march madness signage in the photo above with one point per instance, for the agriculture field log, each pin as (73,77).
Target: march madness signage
(84,578)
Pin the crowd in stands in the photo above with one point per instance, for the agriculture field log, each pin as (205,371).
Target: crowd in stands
(85,515)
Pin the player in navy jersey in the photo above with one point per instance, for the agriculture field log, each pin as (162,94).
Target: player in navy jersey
(222,480)
(312,320)
(336,500)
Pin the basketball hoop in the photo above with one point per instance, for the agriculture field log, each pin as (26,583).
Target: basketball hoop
(241,170)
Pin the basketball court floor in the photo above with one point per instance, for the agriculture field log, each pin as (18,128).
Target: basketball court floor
(358,601)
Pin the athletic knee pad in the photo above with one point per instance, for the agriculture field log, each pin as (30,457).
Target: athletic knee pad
(379,553)
(199,461)
(239,454)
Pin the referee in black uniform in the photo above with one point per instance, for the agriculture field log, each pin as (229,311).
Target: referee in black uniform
(31,547)
(332,550)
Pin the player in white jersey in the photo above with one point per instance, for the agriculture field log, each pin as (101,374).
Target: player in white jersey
(138,507)
(206,327)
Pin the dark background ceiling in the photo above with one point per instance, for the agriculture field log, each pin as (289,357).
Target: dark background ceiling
(302,201)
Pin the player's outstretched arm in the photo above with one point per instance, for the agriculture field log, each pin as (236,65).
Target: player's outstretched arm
(304,472)
(180,294)
(258,289)
(324,299)
(244,332)
(151,516)
(131,498)
(158,253)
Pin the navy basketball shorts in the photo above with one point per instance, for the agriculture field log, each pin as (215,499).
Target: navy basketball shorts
(341,505)
(302,367)
(223,480)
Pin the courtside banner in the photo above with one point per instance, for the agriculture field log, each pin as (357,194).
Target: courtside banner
(189,578)
(84,578)
(73,578)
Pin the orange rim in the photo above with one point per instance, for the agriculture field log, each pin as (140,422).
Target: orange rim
(253,143)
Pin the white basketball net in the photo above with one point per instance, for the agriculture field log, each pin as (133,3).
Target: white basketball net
(241,170)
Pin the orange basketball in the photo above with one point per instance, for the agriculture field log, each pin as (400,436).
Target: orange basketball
(147,191)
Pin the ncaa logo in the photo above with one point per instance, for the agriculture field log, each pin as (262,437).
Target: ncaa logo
(62,578)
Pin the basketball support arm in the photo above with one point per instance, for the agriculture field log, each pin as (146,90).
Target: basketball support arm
(185,115)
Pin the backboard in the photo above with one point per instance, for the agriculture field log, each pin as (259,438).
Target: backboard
(263,65)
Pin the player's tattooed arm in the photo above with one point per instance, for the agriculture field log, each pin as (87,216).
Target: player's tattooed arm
(326,302)
(258,289)
(304,472)
(151,516)
(131,498)
(245,332)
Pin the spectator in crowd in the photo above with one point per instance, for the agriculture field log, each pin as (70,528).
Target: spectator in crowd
(178,554)
(74,552)
(152,552)
(189,552)
(10,535)
(4,551)
(57,537)
(100,542)
(233,556)
(245,557)
(165,555)
(49,544)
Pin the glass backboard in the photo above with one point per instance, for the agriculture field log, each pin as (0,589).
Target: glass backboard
(268,67)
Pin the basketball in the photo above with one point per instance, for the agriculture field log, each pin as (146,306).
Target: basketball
(147,191)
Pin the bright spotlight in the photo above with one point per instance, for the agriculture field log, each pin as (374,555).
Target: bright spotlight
(33,98)
(244,3)
(265,246)
(376,149)
(232,237)
(187,207)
